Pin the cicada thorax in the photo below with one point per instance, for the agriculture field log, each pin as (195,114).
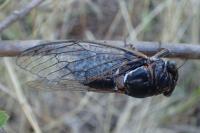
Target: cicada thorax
(151,78)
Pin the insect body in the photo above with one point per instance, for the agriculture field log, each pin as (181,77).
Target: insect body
(92,66)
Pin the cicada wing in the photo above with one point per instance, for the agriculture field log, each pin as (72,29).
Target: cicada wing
(74,60)
(45,85)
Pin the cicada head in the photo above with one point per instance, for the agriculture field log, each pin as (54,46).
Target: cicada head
(172,76)
(155,77)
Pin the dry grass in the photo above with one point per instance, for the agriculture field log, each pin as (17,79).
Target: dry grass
(166,21)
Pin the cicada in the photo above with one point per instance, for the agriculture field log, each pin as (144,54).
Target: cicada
(99,67)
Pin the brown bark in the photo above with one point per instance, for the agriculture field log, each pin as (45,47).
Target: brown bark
(183,51)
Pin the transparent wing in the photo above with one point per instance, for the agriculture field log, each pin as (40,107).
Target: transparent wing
(81,61)
(46,85)
(43,84)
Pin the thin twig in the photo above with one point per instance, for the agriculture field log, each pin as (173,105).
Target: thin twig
(7,91)
(21,98)
(183,51)
(18,14)
(125,115)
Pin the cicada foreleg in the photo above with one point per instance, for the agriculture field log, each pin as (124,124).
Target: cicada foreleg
(163,53)
(129,45)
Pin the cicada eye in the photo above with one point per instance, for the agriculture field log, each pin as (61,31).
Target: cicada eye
(171,66)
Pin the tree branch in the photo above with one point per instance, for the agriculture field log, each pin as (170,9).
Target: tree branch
(19,14)
(183,51)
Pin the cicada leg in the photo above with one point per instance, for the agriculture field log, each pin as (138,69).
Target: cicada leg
(129,45)
(162,53)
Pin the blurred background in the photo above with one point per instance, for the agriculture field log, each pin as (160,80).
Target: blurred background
(175,21)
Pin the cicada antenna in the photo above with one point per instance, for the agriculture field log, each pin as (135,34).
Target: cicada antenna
(182,64)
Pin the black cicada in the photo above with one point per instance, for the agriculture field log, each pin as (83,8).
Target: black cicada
(92,66)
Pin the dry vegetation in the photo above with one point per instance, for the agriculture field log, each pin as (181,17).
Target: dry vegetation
(72,112)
